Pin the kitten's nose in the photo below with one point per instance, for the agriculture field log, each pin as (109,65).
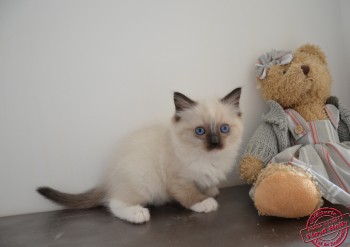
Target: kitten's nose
(306,69)
(214,142)
(214,139)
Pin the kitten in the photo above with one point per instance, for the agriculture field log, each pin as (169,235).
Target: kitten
(183,161)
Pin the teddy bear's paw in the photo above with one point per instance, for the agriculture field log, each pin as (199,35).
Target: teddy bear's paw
(285,192)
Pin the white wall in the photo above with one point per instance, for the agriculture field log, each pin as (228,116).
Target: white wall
(75,76)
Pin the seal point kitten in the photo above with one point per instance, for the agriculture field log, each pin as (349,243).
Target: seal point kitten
(183,160)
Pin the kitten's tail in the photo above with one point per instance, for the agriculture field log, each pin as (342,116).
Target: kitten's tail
(89,199)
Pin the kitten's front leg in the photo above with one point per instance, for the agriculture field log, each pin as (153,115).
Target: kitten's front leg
(188,195)
(212,191)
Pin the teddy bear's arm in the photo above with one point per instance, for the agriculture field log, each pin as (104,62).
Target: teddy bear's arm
(344,123)
(260,150)
(343,131)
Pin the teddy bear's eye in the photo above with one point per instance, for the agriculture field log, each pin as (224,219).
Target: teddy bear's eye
(284,71)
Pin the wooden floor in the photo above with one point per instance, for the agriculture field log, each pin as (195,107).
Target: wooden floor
(236,223)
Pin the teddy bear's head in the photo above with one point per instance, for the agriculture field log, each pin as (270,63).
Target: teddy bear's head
(294,79)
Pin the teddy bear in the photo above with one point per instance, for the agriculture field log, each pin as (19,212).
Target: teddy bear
(300,153)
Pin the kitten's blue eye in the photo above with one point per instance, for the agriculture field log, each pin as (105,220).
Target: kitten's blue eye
(224,128)
(200,131)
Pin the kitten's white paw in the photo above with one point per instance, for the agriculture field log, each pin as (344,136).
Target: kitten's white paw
(138,214)
(205,206)
(134,214)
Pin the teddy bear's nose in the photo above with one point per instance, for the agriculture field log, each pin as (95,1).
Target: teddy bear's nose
(306,69)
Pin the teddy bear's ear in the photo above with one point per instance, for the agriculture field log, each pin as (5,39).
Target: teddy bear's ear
(313,50)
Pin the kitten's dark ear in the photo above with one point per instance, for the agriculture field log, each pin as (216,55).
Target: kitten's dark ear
(182,102)
(233,98)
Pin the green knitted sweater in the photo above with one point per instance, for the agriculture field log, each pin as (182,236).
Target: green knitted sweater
(272,136)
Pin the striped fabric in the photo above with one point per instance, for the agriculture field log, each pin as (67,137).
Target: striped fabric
(318,150)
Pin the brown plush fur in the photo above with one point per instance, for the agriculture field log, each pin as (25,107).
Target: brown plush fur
(303,85)
(291,88)
(250,168)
